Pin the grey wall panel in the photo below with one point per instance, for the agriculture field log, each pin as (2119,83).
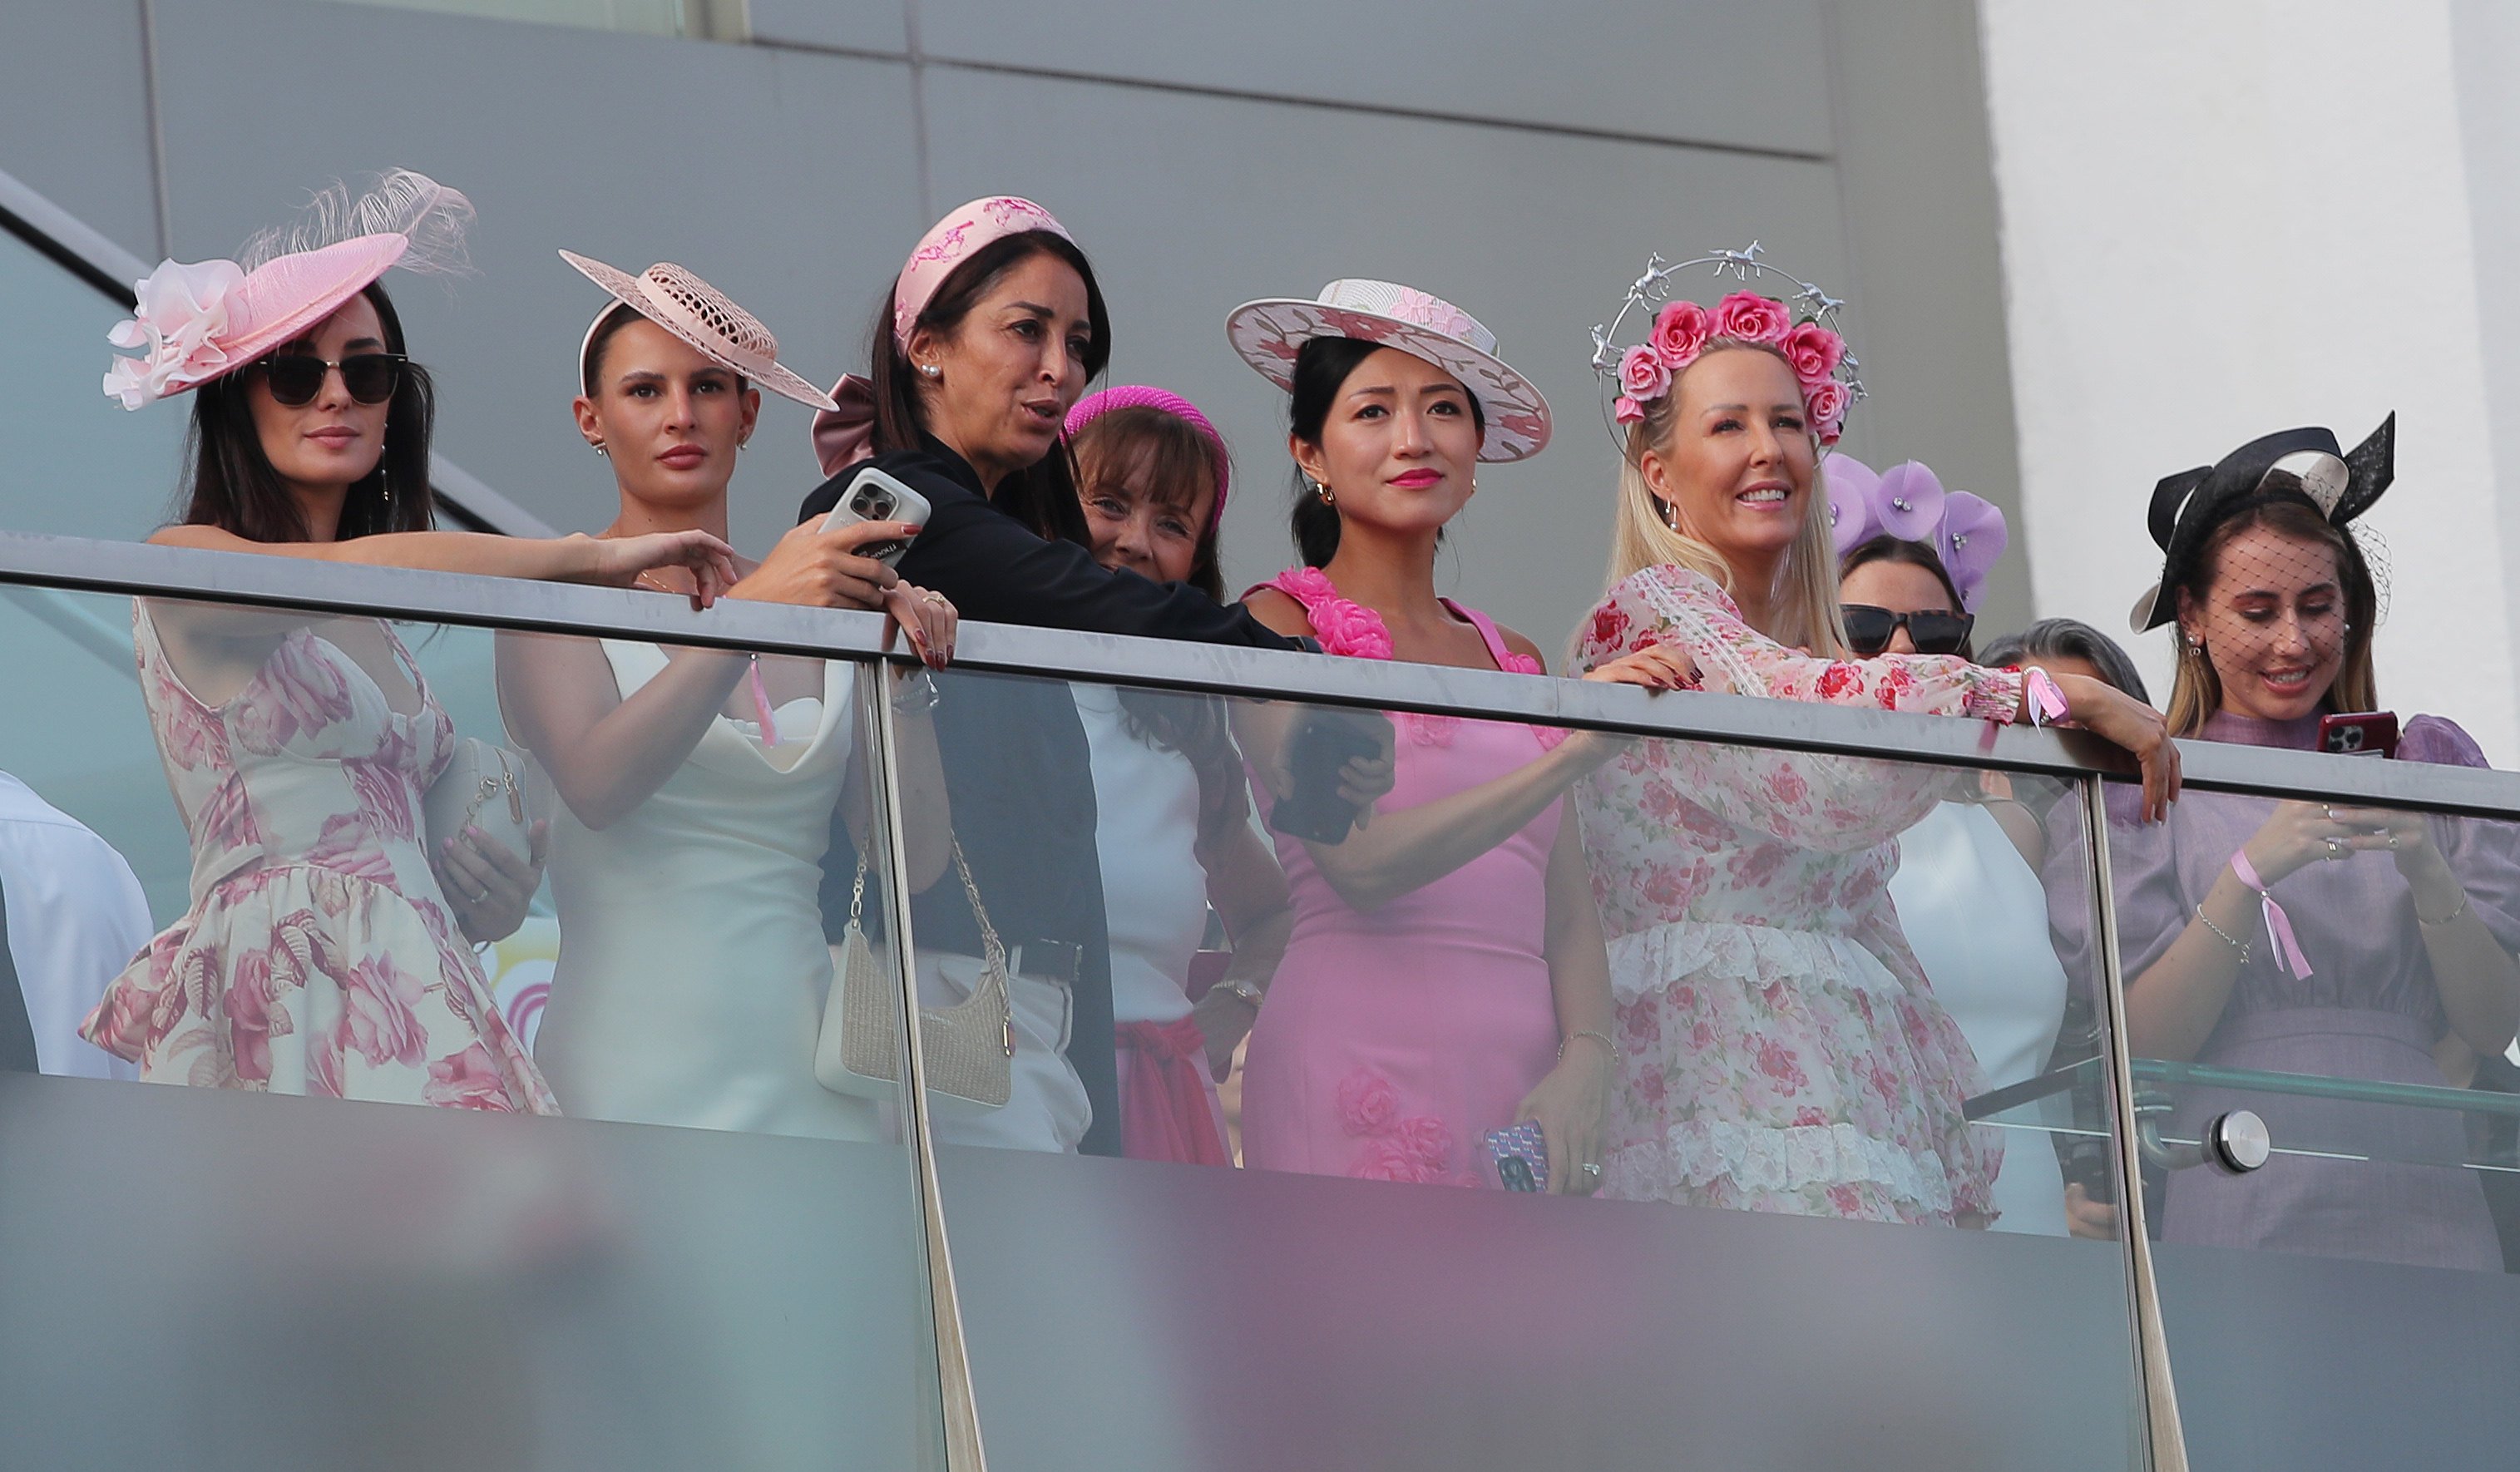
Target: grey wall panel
(854,24)
(313,1285)
(74,113)
(1915,173)
(1207,201)
(1125,1316)
(785,177)
(1700,70)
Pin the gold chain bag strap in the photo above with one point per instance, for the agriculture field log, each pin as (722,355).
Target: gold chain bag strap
(966,1047)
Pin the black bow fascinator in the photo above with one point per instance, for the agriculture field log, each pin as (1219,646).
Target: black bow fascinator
(2301,464)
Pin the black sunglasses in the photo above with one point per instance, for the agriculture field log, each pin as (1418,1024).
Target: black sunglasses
(1869,630)
(296,377)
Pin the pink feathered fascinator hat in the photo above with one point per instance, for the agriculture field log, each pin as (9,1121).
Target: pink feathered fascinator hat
(1967,533)
(844,434)
(207,319)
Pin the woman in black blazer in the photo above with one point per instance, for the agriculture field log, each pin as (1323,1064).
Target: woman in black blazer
(994,329)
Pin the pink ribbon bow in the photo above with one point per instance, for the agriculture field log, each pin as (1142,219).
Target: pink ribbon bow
(2278,923)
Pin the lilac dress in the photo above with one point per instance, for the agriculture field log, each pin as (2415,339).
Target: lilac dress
(2369,1010)
(1394,1038)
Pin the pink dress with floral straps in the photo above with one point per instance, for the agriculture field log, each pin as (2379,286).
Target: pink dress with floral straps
(1779,1049)
(1394,1038)
(317,956)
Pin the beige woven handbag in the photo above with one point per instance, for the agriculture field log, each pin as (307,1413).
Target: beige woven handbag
(967,1048)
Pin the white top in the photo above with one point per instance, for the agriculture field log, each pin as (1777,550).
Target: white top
(1975,912)
(1154,892)
(77,918)
(693,968)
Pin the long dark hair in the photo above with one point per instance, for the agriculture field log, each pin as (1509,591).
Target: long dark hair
(234,487)
(1043,495)
(1322,369)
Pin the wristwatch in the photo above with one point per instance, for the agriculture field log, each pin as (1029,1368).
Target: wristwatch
(1251,996)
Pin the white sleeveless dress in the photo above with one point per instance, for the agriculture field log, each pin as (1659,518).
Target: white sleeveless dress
(693,968)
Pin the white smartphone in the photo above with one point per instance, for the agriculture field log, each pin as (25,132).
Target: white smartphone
(873,496)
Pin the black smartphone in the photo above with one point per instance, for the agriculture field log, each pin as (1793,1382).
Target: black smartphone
(1320,749)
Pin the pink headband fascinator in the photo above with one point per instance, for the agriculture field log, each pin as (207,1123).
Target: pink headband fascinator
(202,319)
(1907,501)
(1139,396)
(954,237)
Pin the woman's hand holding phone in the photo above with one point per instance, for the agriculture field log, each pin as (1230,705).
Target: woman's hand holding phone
(825,569)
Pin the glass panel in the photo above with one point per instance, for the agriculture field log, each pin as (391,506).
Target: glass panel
(663,17)
(707,1258)
(2329,1114)
(1737,1009)
(82,464)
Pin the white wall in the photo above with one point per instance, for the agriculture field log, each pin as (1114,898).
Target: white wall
(2229,219)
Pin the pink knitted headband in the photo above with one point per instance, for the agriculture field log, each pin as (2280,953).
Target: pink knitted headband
(1139,396)
(954,237)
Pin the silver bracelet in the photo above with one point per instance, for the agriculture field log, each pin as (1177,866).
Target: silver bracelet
(2459,910)
(2208,922)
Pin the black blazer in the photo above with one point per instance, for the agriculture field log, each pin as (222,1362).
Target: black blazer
(1018,768)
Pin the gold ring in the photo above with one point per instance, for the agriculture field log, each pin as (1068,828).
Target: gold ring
(933,597)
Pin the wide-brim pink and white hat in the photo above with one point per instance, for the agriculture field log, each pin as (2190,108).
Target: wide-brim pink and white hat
(1268,335)
(202,319)
(703,316)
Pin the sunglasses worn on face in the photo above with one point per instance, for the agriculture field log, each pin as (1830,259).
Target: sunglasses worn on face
(1869,630)
(296,377)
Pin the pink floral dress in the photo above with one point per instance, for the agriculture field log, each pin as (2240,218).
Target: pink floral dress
(1779,1049)
(317,956)
(1395,1039)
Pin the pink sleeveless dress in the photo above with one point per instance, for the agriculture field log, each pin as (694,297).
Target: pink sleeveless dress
(317,956)
(1392,1041)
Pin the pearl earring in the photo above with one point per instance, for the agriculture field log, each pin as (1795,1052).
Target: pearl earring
(931,370)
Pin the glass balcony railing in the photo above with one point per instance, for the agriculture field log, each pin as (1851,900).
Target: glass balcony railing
(1866,1196)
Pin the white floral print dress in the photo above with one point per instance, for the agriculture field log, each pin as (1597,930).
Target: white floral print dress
(1779,1049)
(317,956)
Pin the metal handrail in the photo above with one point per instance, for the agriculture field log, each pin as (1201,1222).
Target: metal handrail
(138,569)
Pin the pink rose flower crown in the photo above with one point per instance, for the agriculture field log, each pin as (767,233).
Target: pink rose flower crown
(1800,322)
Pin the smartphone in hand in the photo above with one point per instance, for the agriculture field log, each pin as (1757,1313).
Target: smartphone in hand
(2363,732)
(1520,1155)
(1319,750)
(873,496)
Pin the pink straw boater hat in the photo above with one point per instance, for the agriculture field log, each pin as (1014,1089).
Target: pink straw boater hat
(1095,405)
(1269,333)
(203,319)
(845,431)
(700,315)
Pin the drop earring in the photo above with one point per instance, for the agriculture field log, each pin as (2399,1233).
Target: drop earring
(1322,490)
(598,447)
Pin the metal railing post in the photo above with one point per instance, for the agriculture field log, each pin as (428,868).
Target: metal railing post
(2164,1436)
(963,1448)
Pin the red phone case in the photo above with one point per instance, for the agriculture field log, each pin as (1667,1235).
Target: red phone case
(2363,732)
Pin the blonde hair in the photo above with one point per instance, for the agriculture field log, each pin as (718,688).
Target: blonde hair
(1804,604)
(2197,689)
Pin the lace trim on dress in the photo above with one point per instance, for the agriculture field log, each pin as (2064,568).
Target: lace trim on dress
(1762,1158)
(1652,961)
(1696,634)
